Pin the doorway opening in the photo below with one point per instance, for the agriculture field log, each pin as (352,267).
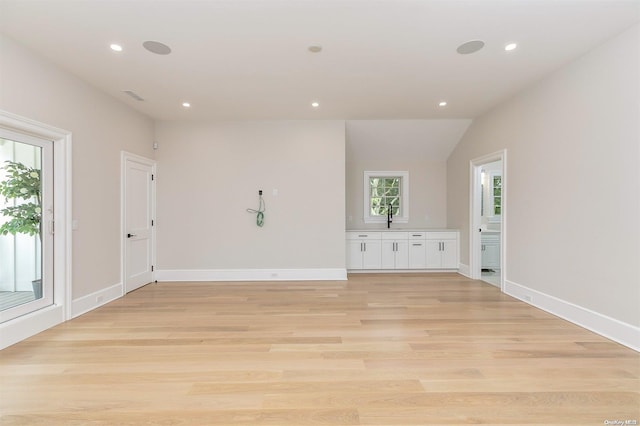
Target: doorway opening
(488,218)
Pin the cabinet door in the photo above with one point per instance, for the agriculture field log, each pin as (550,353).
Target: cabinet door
(434,255)
(491,255)
(417,255)
(354,254)
(449,254)
(371,257)
(388,254)
(402,254)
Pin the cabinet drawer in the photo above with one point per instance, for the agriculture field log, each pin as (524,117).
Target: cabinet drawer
(442,235)
(394,235)
(490,238)
(417,235)
(363,235)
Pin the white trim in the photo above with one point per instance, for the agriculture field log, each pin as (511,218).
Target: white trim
(464,270)
(96,299)
(327,274)
(611,328)
(29,325)
(25,326)
(366,217)
(475,258)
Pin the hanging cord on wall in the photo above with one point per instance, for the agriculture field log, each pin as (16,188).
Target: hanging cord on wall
(260,212)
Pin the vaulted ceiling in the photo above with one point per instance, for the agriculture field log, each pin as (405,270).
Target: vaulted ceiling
(250,59)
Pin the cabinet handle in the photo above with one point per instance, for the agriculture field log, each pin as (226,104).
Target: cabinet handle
(361,246)
(365,246)
(417,244)
(363,236)
(417,235)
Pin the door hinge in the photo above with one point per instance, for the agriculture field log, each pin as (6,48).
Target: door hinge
(152,177)
(151,222)
(151,268)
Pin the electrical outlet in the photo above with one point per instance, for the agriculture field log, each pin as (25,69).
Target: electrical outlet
(527,298)
(274,275)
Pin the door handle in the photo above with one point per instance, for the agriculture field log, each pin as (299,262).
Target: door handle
(131,235)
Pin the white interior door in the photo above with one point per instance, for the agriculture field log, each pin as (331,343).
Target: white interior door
(138,206)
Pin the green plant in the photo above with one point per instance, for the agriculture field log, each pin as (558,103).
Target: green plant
(21,183)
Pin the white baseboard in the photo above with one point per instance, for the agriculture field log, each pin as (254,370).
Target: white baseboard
(251,274)
(91,301)
(611,328)
(464,270)
(23,327)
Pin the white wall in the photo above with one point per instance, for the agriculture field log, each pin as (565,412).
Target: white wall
(210,173)
(420,147)
(573,176)
(101,127)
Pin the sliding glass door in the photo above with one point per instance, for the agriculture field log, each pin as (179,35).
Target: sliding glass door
(26,224)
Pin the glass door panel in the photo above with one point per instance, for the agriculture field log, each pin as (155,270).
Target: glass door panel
(26,224)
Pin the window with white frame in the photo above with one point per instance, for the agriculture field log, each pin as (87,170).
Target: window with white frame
(383,192)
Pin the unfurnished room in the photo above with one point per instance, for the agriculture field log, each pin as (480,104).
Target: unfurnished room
(319,212)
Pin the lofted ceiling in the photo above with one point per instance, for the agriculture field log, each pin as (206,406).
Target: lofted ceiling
(249,59)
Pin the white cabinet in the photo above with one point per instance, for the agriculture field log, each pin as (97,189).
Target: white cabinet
(363,250)
(490,249)
(395,250)
(442,250)
(403,250)
(417,250)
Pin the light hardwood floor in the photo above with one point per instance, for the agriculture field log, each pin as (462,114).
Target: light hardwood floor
(417,349)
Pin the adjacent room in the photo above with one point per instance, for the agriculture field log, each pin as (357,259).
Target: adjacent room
(341,212)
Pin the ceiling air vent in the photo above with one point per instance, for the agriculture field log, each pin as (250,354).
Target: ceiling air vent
(133,94)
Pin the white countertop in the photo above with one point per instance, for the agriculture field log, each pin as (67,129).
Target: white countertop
(404,230)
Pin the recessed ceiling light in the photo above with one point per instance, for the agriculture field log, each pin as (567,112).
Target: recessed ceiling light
(157,47)
(315,104)
(186,104)
(471,46)
(315,49)
(442,103)
(116,47)
(511,46)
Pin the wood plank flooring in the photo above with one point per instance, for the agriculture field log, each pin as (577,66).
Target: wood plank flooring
(414,349)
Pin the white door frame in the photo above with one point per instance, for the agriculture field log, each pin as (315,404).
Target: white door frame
(26,326)
(475,194)
(126,156)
